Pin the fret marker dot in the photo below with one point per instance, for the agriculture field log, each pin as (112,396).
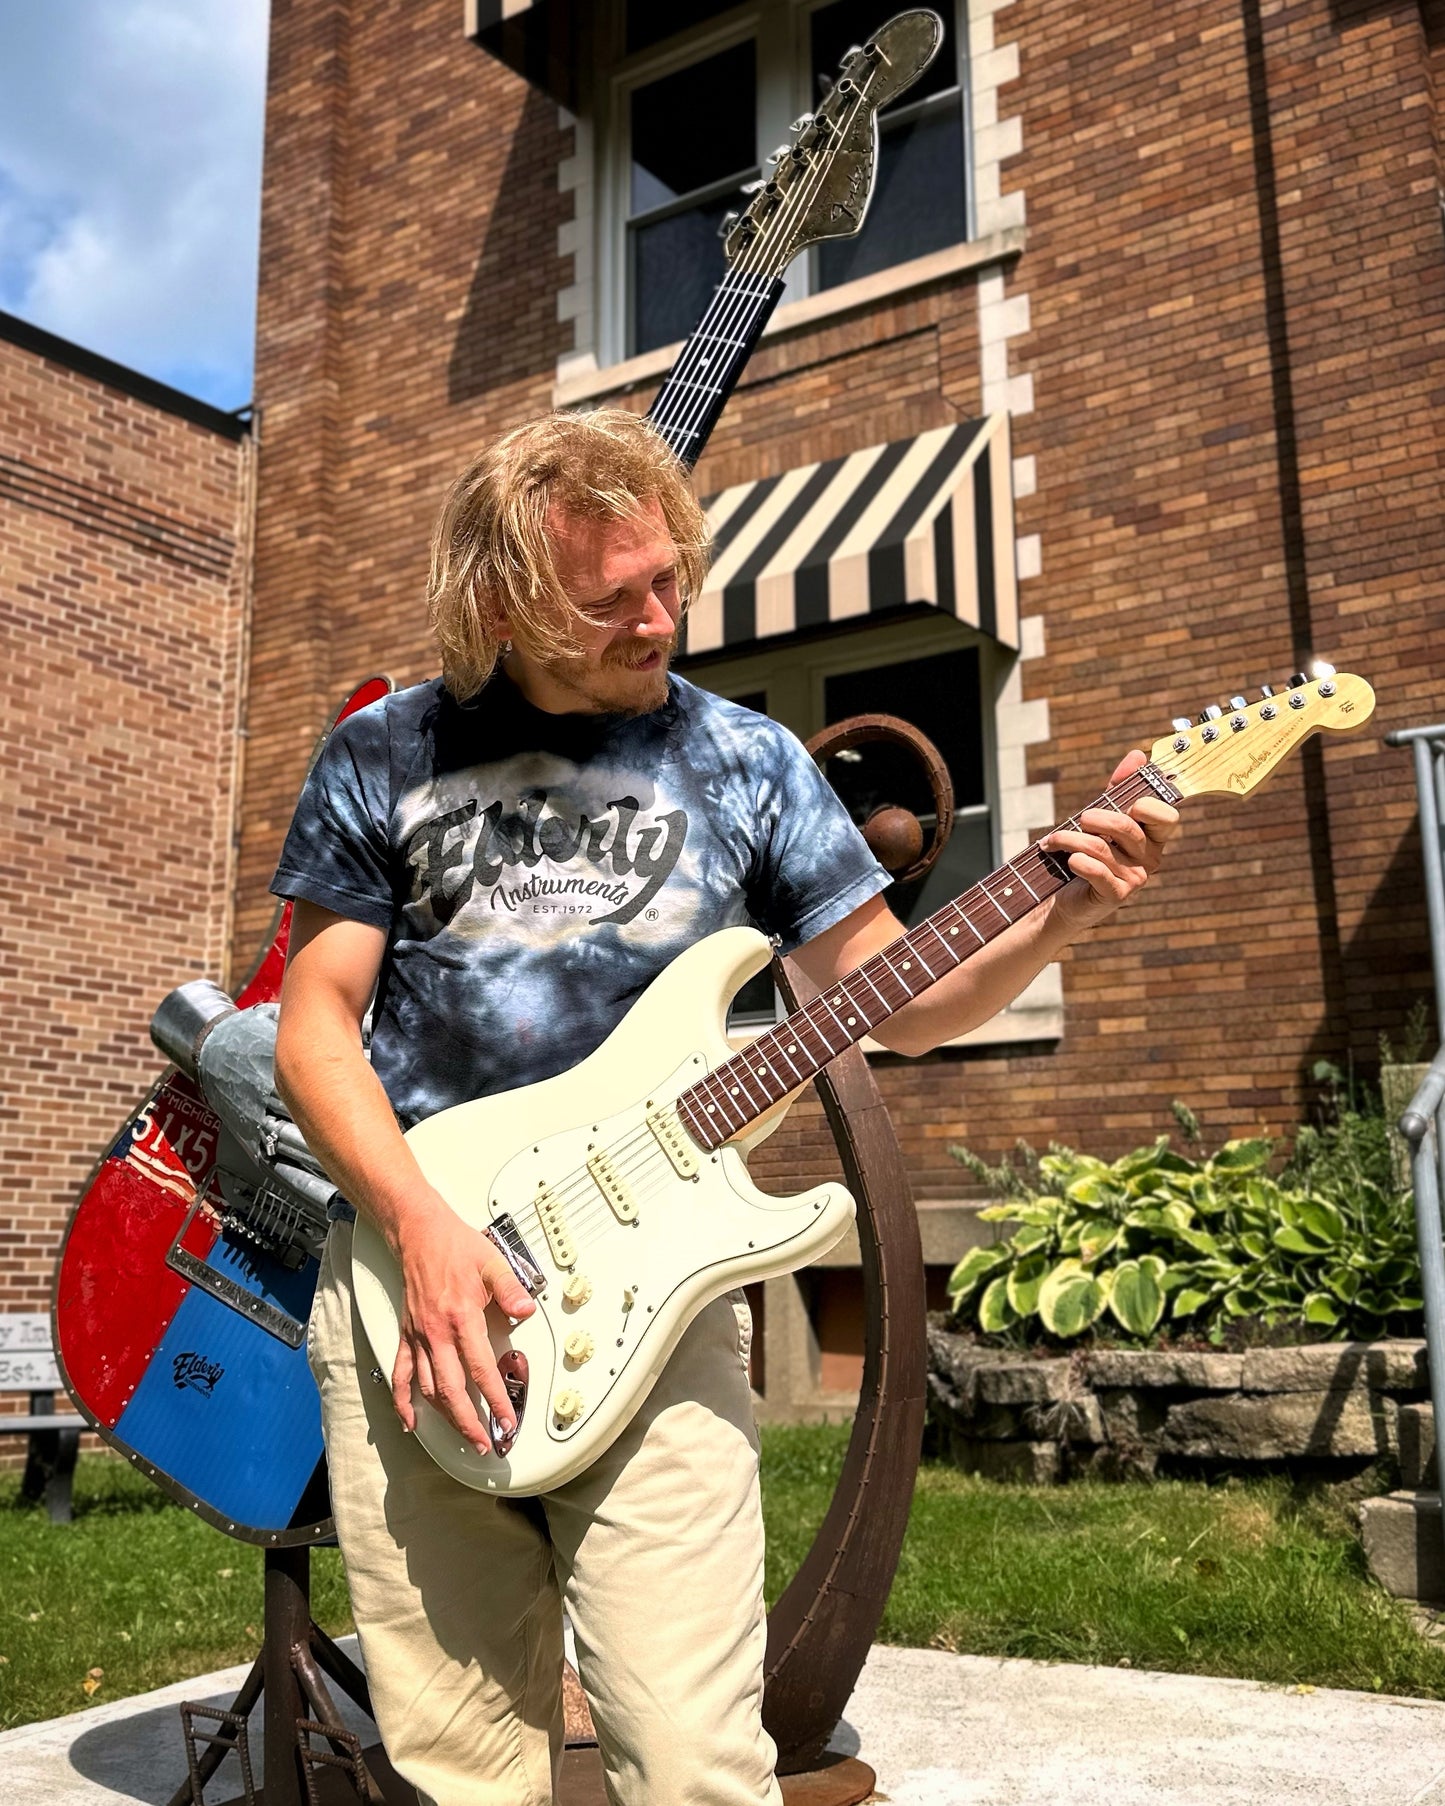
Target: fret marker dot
(762,1069)
(908,965)
(953,931)
(792,1047)
(735,1091)
(851,1021)
(1008,890)
(837,1000)
(712,1109)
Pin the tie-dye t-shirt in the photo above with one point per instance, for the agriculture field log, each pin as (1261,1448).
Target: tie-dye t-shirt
(535,872)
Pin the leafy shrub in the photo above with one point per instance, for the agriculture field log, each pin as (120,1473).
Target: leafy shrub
(1202,1243)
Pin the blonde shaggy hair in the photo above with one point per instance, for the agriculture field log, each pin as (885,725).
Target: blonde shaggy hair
(491,555)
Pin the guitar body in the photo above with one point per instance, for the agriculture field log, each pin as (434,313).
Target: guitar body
(654,1234)
(186,1348)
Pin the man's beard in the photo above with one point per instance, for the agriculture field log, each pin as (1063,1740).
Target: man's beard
(616,686)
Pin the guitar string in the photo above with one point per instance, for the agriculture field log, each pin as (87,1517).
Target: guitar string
(753,258)
(580,1185)
(580,1192)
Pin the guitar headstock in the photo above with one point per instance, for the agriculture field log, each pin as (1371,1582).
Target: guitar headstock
(822,180)
(1236,748)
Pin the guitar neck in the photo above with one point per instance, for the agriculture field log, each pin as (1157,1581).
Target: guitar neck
(735,1094)
(707,369)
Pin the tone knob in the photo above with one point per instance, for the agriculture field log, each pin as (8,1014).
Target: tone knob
(578,1347)
(578,1289)
(567,1405)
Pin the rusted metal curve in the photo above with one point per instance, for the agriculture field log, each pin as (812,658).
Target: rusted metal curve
(860,730)
(820,1631)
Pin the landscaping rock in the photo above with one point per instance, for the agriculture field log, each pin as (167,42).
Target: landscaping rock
(1417,1446)
(1276,1427)
(1031,1463)
(1404,1544)
(1028,1383)
(1337,1367)
(1133,1418)
(1147,1367)
(959,1361)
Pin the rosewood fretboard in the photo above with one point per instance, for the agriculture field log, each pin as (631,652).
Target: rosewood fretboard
(735,1094)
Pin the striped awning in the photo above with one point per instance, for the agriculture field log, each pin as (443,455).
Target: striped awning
(925,520)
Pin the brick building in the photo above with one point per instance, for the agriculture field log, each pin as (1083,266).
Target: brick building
(124,529)
(1169,283)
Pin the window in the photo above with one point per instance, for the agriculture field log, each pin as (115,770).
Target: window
(934,673)
(686,116)
(680,184)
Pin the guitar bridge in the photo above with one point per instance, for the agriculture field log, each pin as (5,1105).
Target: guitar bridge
(506,1236)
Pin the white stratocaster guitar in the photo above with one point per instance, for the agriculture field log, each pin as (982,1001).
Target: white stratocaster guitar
(620,1190)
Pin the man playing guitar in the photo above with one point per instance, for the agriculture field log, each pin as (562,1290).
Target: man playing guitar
(495,864)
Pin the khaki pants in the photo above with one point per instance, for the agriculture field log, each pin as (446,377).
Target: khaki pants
(657,1549)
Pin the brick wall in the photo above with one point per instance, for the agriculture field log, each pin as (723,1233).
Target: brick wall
(121,597)
(1233,276)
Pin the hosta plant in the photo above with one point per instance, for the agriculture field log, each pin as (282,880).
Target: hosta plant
(1157,1242)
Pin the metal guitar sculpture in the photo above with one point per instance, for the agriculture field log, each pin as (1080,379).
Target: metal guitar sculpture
(189,1266)
(620,1189)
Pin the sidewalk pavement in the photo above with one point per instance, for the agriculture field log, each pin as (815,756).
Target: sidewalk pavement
(940,1730)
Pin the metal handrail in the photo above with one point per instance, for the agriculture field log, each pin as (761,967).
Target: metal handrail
(1426,1111)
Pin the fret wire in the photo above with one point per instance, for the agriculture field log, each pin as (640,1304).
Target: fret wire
(820,998)
(908,988)
(817,1027)
(863,974)
(778,1032)
(930,924)
(913,949)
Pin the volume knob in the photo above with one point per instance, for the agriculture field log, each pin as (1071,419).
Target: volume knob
(567,1405)
(578,1289)
(578,1347)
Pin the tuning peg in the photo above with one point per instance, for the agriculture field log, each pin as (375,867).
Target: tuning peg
(1266,691)
(1181,724)
(1238,702)
(729,220)
(1297,680)
(780,154)
(754,187)
(1320,669)
(801,123)
(1212,713)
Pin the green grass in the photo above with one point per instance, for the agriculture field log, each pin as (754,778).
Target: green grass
(1238,1579)
(1230,1580)
(136,1587)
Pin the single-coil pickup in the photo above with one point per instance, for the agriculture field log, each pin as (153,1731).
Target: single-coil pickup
(613,1187)
(674,1140)
(554,1226)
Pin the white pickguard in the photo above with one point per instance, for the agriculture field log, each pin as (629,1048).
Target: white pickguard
(692,1239)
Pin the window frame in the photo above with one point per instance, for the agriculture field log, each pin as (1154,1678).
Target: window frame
(781,31)
(793,679)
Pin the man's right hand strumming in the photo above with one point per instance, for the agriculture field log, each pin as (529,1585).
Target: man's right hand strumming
(452,1273)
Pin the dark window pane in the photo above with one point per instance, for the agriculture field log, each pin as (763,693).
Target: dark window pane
(756,700)
(676,264)
(650,21)
(940,696)
(917,204)
(837,28)
(694,127)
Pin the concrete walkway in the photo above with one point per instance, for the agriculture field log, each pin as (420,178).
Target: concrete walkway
(941,1730)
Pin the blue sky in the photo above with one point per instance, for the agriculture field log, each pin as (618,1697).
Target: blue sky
(130,167)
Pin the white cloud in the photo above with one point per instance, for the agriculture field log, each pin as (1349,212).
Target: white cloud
(130,162)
